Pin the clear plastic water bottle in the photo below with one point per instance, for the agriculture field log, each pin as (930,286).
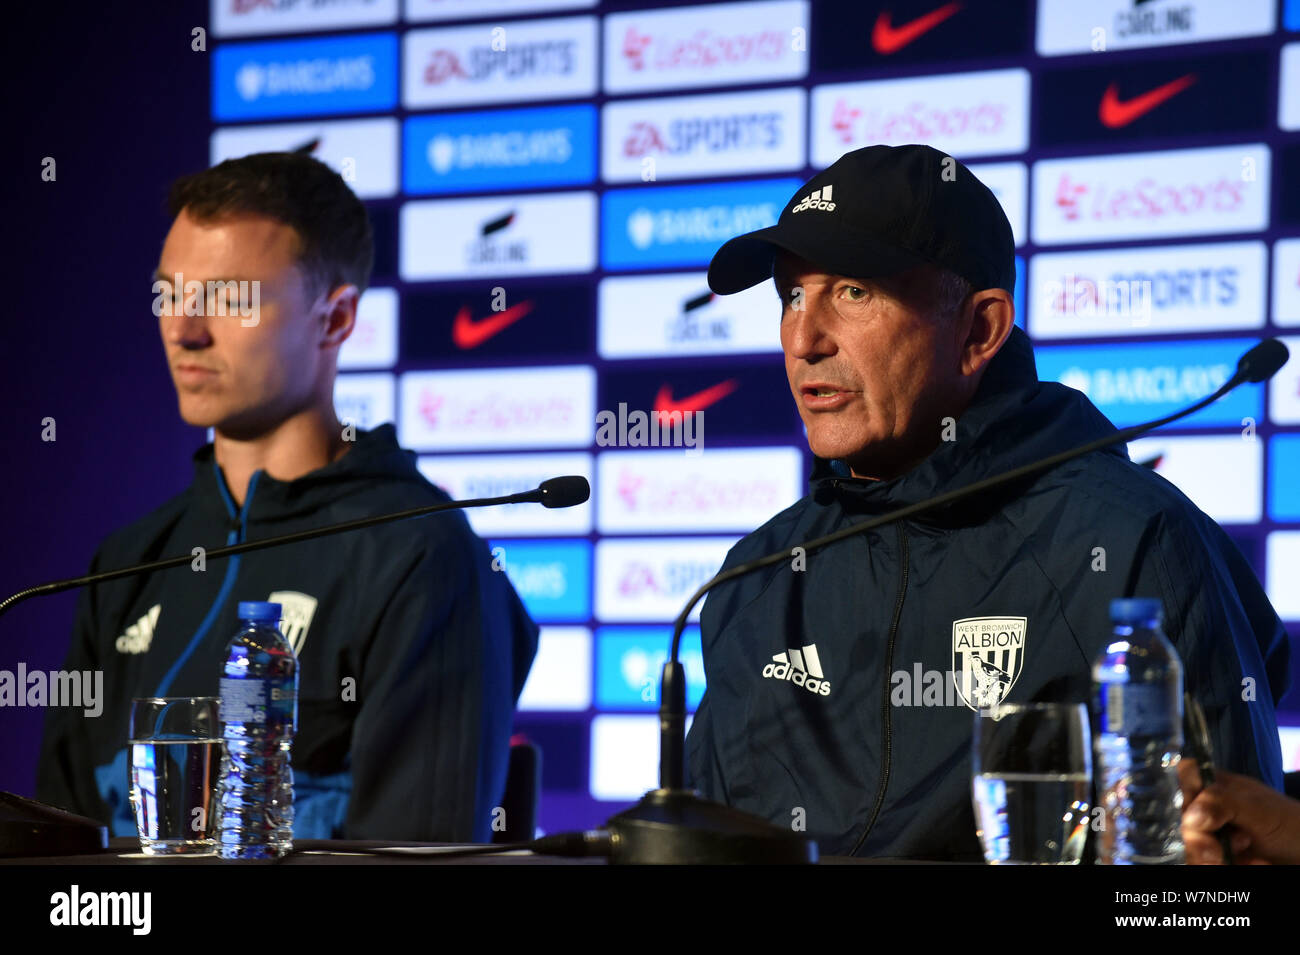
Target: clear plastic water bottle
(259,711)
(1138,705)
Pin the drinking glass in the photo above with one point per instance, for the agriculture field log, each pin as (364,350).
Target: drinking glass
(1032,781)
(175,756)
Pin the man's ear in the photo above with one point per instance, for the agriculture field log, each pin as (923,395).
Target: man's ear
(993,315)
(340,315)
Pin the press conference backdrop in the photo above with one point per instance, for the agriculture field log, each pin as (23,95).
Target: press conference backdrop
(548,180)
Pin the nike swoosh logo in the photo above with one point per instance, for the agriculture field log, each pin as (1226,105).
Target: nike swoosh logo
(886,38)
(665,404)
(1113,113)
(467,333)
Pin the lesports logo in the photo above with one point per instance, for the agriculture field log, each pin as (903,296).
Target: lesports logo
(887,38)
(819,199)
(801,667)
(1115,113)
(988,654)
(706,45)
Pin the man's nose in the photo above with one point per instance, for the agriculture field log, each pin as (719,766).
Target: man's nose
(187,330)
(807,331)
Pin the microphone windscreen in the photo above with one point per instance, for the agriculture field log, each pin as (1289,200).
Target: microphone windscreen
(564,491)
(1262,362)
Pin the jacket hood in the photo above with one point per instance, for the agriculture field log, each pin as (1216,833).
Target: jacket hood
(1012,420)
(374,454)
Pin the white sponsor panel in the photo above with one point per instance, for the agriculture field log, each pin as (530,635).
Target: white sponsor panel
(1222,474)
(962,114)
(1282,561)
(469,476)
(560,677)
(1009,183)
(493,408)
(1068,26)
(498,236)
(1286,282)
(720,490)
(1288,97)
(373,342)
(650,579)
(674,315)
(364,400)
(727,134)
(362,151)
(499,62)
(1146,291)
(1151,195)
(421,10)
(248,17)
(711,45)
(1284,387)
(1290,738)
(625,756)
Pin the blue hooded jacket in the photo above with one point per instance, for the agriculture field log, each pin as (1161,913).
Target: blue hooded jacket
(830,705)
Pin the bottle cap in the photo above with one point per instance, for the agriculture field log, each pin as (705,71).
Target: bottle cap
(259,611)
(1131,609)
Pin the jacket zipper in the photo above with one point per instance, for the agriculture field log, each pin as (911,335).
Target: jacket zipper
(885,712)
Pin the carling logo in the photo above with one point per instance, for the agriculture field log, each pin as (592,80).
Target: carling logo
(1067,26)
(687,136)
(1140,195)
(667,315)
(964,114)
(528,60)
(498,236)
(499,408)
(348,74)
(362,151)
(723,490)
(710,45)
(498,475)
(684,225)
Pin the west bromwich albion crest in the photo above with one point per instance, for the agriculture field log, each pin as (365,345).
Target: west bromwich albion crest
(296,611)
(988,654)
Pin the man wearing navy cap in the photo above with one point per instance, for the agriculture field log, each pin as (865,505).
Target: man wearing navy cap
(842,687)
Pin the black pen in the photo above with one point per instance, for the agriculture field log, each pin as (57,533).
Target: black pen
(1202,751)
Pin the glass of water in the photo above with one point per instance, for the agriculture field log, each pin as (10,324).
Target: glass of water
(1032,782)
(175,756)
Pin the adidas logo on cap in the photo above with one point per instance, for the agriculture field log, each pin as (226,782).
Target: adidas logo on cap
(801,667)
(819,199)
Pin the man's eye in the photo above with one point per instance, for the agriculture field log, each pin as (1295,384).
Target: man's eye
(855,293)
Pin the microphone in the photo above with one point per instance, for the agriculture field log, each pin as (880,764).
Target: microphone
(673,824)
(556,492)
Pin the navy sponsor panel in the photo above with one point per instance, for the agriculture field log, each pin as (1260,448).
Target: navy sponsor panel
(509,319)
(877,35)
(737,401)
(1136,100)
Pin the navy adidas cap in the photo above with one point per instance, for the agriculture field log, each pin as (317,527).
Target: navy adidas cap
(877,211)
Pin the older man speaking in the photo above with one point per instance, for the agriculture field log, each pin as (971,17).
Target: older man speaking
(841,688)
